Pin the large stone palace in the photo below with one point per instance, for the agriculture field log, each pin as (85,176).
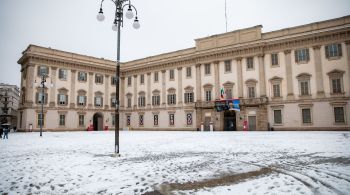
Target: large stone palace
(296,78)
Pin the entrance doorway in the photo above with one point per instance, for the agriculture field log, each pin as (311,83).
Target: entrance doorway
(230,120)
(98,121)
(252,123)
(207,123)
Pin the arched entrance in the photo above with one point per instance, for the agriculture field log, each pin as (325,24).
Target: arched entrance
(230,120)
(98,121)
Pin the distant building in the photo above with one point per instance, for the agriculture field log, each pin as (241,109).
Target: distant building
(296,78)
(9,98)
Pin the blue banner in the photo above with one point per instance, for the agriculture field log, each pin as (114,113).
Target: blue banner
(235,103)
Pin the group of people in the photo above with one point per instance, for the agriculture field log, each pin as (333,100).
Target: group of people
(4,131)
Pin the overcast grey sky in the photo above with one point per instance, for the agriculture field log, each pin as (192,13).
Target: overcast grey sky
(166,25)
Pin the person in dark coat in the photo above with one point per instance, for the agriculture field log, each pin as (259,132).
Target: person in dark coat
(1,131)
(6,131)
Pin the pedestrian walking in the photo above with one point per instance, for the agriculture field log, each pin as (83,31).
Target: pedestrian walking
(6,131)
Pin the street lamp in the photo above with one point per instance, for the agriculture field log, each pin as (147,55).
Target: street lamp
(42,99)
(118,22)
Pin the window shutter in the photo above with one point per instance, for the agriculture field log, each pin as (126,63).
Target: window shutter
(36,97)
(78,100)
(95,101)
(168,99)
(85,100)
(296,56)
(185,98)
(339,50)
(326,51)
(101,102)
(66,100)
(307,55)
(45,98)
(174,98)
(58,99)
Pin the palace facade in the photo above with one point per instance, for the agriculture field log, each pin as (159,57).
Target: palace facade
(296,78)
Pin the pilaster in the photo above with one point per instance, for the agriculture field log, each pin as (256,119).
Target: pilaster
(107,99)
(289,75)
(135,91)
(239,77)
(122,92)
(262,80)
(348,57)
(179,85)
(30,83)
(198,83)
(148,99)
(217,81)
(72,89)
(90,91)
(318,69)
(53,88)
(163,88)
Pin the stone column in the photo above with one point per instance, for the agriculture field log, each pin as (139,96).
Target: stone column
(163,88)
(289,75)
(107,99)
(149,93)
(239,77)
(348,56)
(122,92)
(30,85)
(318,69)
(90,90)
(135,91)
(198,83)
(217,81)
(53,88)
(72,89)
(262,80)
(179,85)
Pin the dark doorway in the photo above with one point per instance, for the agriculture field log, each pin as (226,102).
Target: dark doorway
(252,123)
(230,120)
(98,121)
(207,123)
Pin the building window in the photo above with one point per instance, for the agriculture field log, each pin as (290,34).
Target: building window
(339,115)
(128,120)
(336,81)
(43,70)
(129,81)
(172,119)
(336,85)
(113,102)
(172,74)
(62,99)
(250,63)
(81,100)
(98,101)
(189,97)
(98,79)
(188,72)
(276,90)
(41,120)
(207,69)
(304,88)
(171,99)
(208,95)
(142,100)
(228,66)
(333,50)
(62,120)
(274,59)
(228,93)
(251,91)
(156,79)
(41,97)
(113,80)
(81,120)
(302,55)
(62,74)
(155,120)
(129,102)
(306,115)
(142,79)
(82,76)
(277,117)
(156,100)
(141,119)
(189,118)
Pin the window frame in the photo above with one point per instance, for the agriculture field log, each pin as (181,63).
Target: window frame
(171,74)
(207,69)
(274,60)
(98,79)
(228,66)
(188,72)
(250,63)
(82,78)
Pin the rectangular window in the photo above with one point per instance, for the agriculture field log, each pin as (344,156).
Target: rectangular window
(336,85)
(41,97)
(113,102)
(250,63)
(172,74)
(113,80)
(274,59)
(276,90)
(304,88)
(206,68)
(128,120)
(339,115)
(142,79)
(208,95)
(172,99)
(41,120)
(155,120)
(81,100)
(81,120)
(142,101)
(98,79)
(129,102)
(43,70)
(306,115)
(333,50)
(98,101)
(251,92)
(62,99)
(189,119)
(62,74)
(188,72)
(156,100)
(189,97)
(62,120)
(302,55)
(227,65)
(156,79)
(277,116)
(171,119)
(228,93)
(129,81)
(82,76)
(141,120)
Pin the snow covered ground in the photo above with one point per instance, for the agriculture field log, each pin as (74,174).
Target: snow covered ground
(176,163)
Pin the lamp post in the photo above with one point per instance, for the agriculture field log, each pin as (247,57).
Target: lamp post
(118,22)
(42,99)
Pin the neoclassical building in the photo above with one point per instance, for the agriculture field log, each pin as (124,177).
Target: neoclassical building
(296,78)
